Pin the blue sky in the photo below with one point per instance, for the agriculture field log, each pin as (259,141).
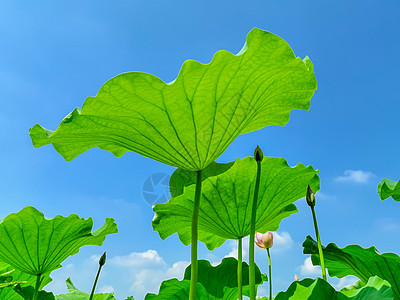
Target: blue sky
(55,54)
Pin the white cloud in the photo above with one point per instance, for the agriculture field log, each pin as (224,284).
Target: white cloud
(357,176)
(137,274)
(282,242)
(106,289)
(345,281)
(308,269)
(138,259)
(234,252)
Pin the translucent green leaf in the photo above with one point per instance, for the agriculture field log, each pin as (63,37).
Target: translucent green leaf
(225,209)
(17,277)
(318,289)
(388,188)
(27,293)
(375,288)
(189,122)
(360,262)
(218,282)
(37,245)
(76,294)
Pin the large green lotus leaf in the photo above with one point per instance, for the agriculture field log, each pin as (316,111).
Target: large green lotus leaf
(375,288)
(225,205)
(76,294)
(189,122)
(218,282)
(309,289)
(388,188)
(36,245)
(23,279)
(360,262)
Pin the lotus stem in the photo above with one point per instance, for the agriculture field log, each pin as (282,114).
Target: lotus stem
(252,274)
(102,261)
(239,269)
(321,253)
(193,255)
(37,286)
(269,274)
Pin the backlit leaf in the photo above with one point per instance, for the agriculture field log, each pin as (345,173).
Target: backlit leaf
(225,206)
(36,245)
(309,289)
(388,188)
(214,283)
(189,122)
(76,294)
(23,279)
(26,293)
(360,262)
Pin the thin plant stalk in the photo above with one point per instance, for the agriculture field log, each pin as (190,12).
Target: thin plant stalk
(37,286)
(252,275)
(95,283)
(321,253)
(102,261)
(193,251)
(239,269)
(269,274)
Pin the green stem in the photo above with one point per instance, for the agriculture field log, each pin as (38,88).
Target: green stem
(269,274)
(37,286)
(193,254)
(252,280)
(95,282)
(239,269)
(321,253)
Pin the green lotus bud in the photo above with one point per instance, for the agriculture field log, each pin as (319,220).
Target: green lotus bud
(102,259)
(310,197)
(258,154)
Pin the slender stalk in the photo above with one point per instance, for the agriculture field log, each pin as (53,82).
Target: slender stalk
(193,254)
(321,253)
(37,286)
(239,269)
(95,282)
(269,274)
(252,281)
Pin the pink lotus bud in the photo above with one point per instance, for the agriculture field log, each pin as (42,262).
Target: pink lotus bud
(264,241)
(296,278)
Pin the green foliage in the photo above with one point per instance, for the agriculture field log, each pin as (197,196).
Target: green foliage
(76,294)
(388,188)
(214,283)
(360,262)
(11,276)
(36,245)
(310,289)
(27,293)
(189,122)
(225,209)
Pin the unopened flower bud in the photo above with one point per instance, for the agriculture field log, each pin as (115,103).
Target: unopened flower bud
(258,154)
(296,278)
(102,259)
(310,197)
(264,241)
